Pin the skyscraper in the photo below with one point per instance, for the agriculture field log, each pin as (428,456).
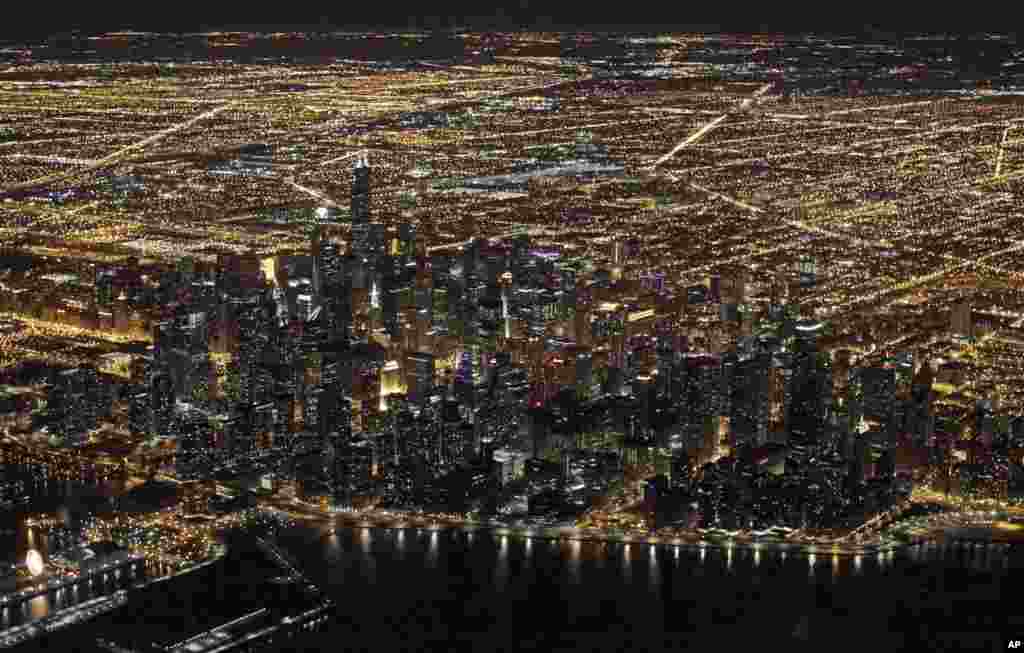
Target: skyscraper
(420,375)
(327,264)
(749,406)
(360,207)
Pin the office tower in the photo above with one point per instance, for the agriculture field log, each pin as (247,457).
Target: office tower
(984,423)
(161,403)
(327,264)
(304,306)
(163,339)
(420,377)
(452,446)
(140,414)
(681,470)
(252,321)
(73,405)
(921,420)
(456,298)
(332,274)
(489,321)
(185,354)
(494,262)
(877,387)
(520,258)
(466,371)
(360,208)
(749,393)
(195,445)
(392,291)
(339,454)
(690,391)
(806,393)
(104,286)
(584,381)
(440,266)
(405,247)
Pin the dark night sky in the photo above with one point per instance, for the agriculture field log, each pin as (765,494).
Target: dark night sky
(31,20)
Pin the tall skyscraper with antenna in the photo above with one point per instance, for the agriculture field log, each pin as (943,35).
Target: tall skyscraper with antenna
(360,207)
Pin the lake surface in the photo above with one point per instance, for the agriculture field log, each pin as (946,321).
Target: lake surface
(70,501)
(455,590)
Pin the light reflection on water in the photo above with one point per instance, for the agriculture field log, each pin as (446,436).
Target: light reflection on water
(432,552)
(627,568)
(501,570)
(71,502)
(574,561)
(655,576)
(369,563)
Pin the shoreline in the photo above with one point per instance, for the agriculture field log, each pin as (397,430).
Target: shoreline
(783,546)
(988,534)
(570,534)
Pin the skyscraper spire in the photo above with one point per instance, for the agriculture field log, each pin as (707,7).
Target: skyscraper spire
(360,206)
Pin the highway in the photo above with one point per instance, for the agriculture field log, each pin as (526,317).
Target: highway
(707,127)
(116,156)
(507,234)
(317,195)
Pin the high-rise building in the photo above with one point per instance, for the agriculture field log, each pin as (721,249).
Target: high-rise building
(405,246)
(195,445)
(327,264)
(74,404)
(749,394)
(877,387)
(701,388)
(360,207)
(681,470)
(339,455)
(420,377)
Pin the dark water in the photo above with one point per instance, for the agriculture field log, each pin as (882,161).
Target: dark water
(452,590)
(69,501)
(447,590)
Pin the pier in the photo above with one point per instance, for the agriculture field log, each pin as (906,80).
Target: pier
(62,619)
(133,563)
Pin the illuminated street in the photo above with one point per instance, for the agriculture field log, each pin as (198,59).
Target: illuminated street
(664,323)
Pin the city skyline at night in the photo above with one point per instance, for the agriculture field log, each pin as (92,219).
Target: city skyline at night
(685,290)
